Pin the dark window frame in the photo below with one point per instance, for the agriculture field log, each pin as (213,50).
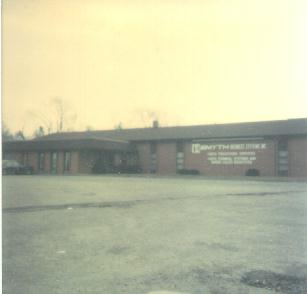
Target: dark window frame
(282,157)
(180,155)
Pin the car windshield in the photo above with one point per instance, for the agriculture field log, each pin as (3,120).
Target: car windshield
(10,163)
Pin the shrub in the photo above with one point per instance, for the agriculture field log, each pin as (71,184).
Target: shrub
(188,172)
(100,168)
(252,172)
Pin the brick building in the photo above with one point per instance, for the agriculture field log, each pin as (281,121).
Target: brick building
(269,148)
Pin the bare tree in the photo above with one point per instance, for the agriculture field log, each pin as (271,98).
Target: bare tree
(19,135)
(6,133)
(59,118)
(39,132)
(147,117)
(89,128)
(118,126)
(61,113)
(43,119)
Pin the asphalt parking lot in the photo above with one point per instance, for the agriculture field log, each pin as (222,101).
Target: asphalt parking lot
(136,235)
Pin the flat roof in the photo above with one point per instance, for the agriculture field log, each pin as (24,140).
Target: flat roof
(121,139)
(247,129)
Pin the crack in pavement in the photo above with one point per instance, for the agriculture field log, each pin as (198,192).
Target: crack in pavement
(117,204)
(264,193)
(128,203)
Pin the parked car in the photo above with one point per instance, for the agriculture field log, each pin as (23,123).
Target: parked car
(13,167)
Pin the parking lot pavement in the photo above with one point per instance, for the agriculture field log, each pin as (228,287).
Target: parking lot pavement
(104,234)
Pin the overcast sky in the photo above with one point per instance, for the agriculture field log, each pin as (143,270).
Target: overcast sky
(184,62)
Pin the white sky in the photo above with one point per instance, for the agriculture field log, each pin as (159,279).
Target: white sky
(186,62)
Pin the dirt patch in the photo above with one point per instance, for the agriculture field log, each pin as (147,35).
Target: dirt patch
(70,206)
(275,281)
(118,250)
(217,246)
(127,204)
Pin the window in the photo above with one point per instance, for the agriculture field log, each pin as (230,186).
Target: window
(153,158)
(54,159)
(282,157)
(67,161)
(180,156)
(41,161)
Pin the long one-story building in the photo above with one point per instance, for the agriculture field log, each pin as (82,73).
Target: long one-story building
(268,148)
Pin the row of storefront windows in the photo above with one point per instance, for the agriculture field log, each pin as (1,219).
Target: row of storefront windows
(41,164)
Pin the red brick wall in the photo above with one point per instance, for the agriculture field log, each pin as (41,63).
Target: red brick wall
(143,150)
(74,168)
(47,162)
(60,163)
(264,162)
(297,150)
(33,161)
(166,158)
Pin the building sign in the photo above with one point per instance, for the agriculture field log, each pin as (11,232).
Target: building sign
(226,154)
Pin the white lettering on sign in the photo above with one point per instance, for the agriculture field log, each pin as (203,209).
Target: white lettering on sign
(229,153)
(232,158)
(197,148)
